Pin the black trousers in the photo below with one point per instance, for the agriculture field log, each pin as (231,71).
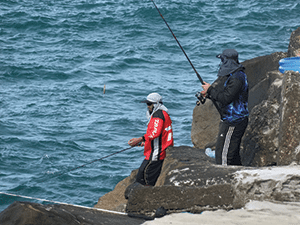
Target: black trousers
(229,141)
(149,172)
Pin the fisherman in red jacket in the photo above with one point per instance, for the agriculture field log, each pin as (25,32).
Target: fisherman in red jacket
(158,138)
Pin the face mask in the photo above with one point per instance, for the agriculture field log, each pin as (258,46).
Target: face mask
(222,61)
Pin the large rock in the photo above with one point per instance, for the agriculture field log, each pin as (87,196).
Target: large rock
(205,124)
(115,200)
(260,141)
(260,90)
(195,184)
(289,138)
(26,213)
(257,68)
(191,182)
(174,199)
(273,136)
(294,45)
(189,167)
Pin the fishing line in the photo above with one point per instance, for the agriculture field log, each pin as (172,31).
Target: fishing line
(199,77)
(94,161)
(87,164)
(62,203)
(65,173)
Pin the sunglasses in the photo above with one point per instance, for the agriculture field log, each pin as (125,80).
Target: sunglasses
(149,103)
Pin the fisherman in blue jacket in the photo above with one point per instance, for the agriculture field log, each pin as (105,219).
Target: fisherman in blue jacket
(229,93)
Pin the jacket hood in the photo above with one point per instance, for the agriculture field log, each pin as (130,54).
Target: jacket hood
(229,62)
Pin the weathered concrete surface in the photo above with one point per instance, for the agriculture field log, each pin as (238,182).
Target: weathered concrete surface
(276,183)
(253,213)
(180,199)
(188,167)
(183,166)
(289,138)
(26,213)
(215,187)
(191,182)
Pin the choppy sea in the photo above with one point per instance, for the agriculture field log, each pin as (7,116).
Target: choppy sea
(58,57)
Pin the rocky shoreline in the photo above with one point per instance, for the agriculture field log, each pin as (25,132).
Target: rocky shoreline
(190,180)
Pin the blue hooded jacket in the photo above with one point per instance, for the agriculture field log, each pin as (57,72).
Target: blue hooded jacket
(230,91)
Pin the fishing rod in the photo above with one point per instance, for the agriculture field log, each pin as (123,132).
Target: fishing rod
(199,77)
(83,165)
(94,161)
(45,200)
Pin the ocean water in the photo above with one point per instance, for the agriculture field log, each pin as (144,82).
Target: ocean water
(58,57)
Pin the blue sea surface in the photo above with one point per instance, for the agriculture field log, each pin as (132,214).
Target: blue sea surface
(58,57)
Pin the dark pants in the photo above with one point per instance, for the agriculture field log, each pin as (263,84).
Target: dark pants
(229,141)
(149,172)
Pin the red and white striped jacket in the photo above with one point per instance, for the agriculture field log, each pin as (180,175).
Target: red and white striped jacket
(159,136)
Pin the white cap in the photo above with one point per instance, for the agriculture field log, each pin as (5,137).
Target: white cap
(153,98)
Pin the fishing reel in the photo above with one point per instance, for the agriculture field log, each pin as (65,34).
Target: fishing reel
(201,98)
